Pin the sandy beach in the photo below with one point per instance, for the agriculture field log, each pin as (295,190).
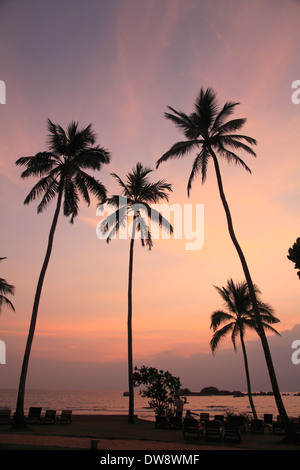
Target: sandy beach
(114,433)
(103,444)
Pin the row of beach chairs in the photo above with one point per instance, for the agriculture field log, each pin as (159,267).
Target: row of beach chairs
(217,428)
(35,416)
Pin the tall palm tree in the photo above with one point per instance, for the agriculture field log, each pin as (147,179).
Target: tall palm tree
(62,169)
(237,317)
(209,134)
(134,204)
(6,289)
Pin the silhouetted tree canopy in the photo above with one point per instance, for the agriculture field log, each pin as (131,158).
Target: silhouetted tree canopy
(294,255)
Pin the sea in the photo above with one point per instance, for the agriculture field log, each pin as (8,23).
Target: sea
(115,403)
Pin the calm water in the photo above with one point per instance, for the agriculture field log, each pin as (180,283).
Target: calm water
(113,402)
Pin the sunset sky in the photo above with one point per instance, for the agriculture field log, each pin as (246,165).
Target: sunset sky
(118,64)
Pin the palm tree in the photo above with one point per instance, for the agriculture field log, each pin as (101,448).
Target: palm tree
(208,132)
(134,204)
(237,317)
(6,289)
(62,169)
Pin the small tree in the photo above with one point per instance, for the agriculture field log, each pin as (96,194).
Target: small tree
(162,388)
(294,255)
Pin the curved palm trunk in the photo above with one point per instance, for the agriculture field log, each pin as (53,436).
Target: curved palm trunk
(129,330)
(19,419)
(278,399)
(248,378)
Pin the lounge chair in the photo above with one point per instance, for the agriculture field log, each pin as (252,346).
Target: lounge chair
(49,418)
(257,426)
(238,420)
(34,415)
(5,416)
(268,421)
(213,430)
(219,418)
(295,426)
(232,432)
(204,417)
(65,417)
(278,426)
(191,428)
(268,418)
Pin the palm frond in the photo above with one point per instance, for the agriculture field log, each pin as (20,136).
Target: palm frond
(206,107)
(57,139)
(113,222)
(154,192)
(232,157)
(218,317)
(145,232)
(37,165)
(5,301)
(220,335)
(6,289)
(41,187)
(156,217)
(92,158)
(235,144)
(124,187)
(225,112)
(87,183)
(178,150)
(71,199)
(180,119)
(49,194)
(200,164)
(231,126)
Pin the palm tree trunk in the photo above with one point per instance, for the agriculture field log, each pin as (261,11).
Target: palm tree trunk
(248,378)
(278,399)
(129,330)
(19,418)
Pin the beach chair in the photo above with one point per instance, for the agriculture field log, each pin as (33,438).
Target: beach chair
(5,416)
(294,426)
(213,430)
(204,417)
(278,426)
(219,418)
(65,417)
(268,421)
(34,415)
(232,432)
(256,426)
(238,420)
(49,418)
(191,428)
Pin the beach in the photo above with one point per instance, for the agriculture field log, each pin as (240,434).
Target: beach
(114,433)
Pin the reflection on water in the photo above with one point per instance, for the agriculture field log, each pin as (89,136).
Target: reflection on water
(113,402)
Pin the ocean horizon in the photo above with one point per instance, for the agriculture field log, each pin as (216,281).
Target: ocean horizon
(93,402)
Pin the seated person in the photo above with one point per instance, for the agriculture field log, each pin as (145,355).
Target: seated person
(189,420)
